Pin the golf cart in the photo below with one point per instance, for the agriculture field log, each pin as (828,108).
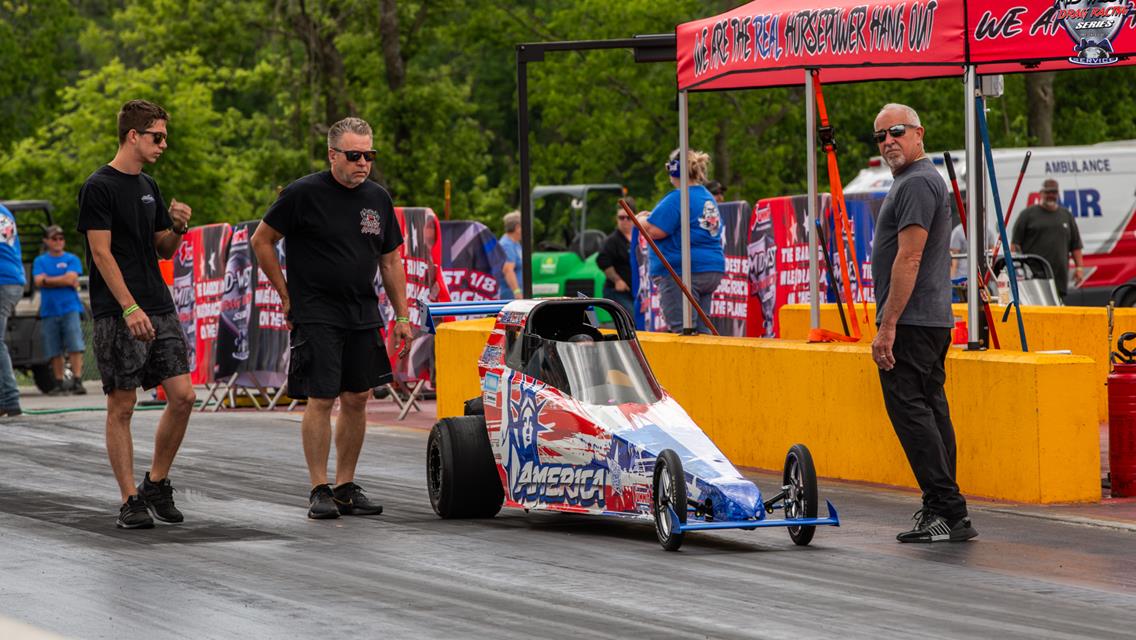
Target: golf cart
(564,256)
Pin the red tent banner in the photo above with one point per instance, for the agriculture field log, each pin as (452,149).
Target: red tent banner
(768,43)
(1008,36)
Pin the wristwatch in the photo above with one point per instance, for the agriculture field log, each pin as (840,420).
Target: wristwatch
(182,231)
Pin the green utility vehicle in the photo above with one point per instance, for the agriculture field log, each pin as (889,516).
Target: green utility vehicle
(564,255)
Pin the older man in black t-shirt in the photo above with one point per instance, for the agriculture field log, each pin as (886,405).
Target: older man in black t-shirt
(338,228)
(138,340)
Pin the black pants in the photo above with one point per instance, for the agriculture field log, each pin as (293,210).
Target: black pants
(917,406)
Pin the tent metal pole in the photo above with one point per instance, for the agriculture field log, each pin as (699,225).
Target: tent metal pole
(684,207)
(810,225)
(974,188)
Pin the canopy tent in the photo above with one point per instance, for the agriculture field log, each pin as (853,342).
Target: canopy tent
(766,44)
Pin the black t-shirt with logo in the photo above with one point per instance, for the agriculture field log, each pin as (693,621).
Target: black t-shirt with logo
(333,239)
(130,206)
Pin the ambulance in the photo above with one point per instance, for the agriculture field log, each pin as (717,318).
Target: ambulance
(1098,185)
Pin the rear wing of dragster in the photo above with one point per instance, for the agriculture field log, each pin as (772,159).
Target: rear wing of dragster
(450,309)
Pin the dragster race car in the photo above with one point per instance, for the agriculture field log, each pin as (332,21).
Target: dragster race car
(572,419)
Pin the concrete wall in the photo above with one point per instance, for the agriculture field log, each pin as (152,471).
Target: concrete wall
(1030,441)
(1081,330)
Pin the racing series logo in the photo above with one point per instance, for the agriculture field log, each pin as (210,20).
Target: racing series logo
(369,222)
(1093,25)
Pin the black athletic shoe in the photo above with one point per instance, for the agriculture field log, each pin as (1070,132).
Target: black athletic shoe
(10,411)
(75,386)
(938,529)
(351,501)
(322,503)
(60,388)
(159,499)
(133,514)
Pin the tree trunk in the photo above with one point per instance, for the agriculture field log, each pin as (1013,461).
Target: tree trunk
(392,46)
(1040,103)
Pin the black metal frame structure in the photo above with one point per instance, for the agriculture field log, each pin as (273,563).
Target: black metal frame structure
(646,48)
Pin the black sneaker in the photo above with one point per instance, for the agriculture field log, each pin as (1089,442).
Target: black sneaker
(938,529)
(133,514)
(322,503)
(351,501)
(60,389)
(159,499)
(10,411)
(75,386)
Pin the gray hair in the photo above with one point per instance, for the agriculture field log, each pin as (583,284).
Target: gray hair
(512,221)
(358,126)
(912,117)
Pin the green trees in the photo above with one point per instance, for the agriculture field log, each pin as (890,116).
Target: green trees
(252,86)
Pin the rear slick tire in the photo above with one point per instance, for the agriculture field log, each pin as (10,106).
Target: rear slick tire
(669,493)
(461,474)
(800,475)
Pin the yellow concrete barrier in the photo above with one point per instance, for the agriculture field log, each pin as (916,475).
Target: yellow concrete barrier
(1081,330)
(755,398)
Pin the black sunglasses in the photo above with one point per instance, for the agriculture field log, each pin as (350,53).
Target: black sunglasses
(896,131)
(353,156)
(158,136)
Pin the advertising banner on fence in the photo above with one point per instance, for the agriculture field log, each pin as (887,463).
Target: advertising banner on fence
(762,253)
(208,283)
(269,357)
(863,209)
(787,218)
(471,261)
(422,258)
(237,328)
(648,308)
(182,290)
(728,308)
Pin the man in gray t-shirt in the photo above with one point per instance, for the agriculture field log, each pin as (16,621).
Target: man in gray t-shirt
(911,264)
(918,198)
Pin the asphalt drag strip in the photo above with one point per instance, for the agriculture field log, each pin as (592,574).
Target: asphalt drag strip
(247,562)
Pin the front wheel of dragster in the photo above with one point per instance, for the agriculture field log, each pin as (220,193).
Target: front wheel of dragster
(800,483)
(461,475)
(669,496)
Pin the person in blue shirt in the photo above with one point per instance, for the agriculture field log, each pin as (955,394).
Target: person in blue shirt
(513,271)
(12,283)
(707,259)
(56,275)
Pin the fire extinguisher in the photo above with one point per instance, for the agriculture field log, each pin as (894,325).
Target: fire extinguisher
(1121,408)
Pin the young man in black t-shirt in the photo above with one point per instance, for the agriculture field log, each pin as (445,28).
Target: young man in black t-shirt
(137,341)
(338,229)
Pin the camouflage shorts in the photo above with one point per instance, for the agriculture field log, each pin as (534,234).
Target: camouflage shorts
(128,363)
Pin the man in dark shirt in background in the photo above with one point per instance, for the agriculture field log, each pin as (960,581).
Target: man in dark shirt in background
(137,340)
(338,229)
(615,260)
(1050,231)
(911,262)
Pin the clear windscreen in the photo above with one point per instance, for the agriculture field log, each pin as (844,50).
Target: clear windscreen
(603,372)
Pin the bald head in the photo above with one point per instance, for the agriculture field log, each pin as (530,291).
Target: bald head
(899,134)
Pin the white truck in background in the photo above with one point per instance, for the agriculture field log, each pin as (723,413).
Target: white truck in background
(1098,185)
